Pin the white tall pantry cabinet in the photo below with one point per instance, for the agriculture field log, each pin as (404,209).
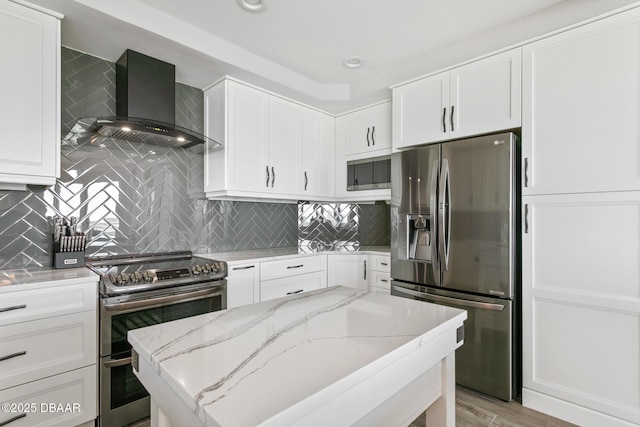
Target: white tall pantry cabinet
(29,104)
(581,223)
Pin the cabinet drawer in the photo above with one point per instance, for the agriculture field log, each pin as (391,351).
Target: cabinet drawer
(277,288)
(380,263)
(41,348)
(73,395)
(380,279)
(35,304)
(293,266)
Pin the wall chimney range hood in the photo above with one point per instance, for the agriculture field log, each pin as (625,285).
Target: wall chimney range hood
(145,108)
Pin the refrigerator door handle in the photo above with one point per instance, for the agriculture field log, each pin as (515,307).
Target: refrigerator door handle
(450,300)
(433,203)
(444,220)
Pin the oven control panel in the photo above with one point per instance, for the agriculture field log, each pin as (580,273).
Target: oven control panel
(213,270)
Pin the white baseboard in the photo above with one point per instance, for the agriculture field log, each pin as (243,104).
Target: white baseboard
(570,412)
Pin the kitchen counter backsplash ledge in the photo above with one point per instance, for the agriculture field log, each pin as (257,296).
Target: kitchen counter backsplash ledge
(271,254)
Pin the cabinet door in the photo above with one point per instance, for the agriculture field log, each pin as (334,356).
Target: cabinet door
(243,285)
(380,118)
(285,134)
(29,106)
(485,95)
(581,103)
(358,133)
(420,111)
(317,154)
(348,270)
(581,305)
(248,121)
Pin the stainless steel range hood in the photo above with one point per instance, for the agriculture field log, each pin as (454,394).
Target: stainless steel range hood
(145,108)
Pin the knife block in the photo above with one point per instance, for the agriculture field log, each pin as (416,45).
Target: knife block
(66,259)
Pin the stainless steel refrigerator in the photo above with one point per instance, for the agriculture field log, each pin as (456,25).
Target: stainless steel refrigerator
(455,241)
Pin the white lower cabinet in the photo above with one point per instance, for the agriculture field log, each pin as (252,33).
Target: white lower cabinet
(48,353)
(67,399)
(380,273)
(276,288)
(243,284)
(581,307)
(348,270)
(291,276)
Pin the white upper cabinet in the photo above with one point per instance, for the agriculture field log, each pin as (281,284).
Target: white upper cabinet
(479,97)
(369,132)
(262,138)
(29,105)
(285,141)
(581,104)
(318,158)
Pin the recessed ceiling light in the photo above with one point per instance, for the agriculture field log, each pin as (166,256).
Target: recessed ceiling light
(252,5)
(352,62)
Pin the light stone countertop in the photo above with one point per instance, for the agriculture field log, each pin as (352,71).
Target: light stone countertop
(20,279)
(280,360)
(259,255)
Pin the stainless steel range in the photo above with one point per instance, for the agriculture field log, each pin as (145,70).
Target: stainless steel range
(143,290)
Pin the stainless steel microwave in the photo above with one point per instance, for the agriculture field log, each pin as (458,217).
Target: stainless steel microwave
(369,174)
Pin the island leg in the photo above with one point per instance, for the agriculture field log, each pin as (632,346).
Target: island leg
(158,418)
(443,411)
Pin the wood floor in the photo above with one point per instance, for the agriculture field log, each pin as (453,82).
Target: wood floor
(477,410)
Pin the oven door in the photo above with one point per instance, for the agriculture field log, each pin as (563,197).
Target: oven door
(123,399)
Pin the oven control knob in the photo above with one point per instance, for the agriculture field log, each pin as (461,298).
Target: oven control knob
(206,269)
(114,278)
(147,277)
(122,278)
(196,270)
(214,268)
(135,277)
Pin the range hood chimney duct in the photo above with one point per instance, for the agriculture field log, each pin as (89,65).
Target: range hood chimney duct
(145,107)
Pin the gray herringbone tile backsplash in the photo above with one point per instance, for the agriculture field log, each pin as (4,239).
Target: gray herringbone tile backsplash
(133,198)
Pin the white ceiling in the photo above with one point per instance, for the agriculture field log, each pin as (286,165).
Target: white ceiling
(296,47)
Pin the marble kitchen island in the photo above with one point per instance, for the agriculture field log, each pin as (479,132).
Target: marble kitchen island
(335,356)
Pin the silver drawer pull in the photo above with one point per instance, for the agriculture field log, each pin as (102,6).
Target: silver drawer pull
(295,292)
(243,268)
(10,420)
(11,356)
(117,362)
(295,266)
(384,263)
(384,280)
(15,307)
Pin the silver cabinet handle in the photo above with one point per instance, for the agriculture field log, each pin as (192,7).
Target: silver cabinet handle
(295,292)
(11,356)
(373,138)
(267,176)
(384,280)
(117,362)
(243,268)
(295,266)
(365,269)
(306,180)
(15,307)
(273,176)
(384,263)
(10,420)
(526,171)
(368,144)
(526,218)
(444,118)
(451,118)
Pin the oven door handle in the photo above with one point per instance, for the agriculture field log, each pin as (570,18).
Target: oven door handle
(181,297)
(117,362)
